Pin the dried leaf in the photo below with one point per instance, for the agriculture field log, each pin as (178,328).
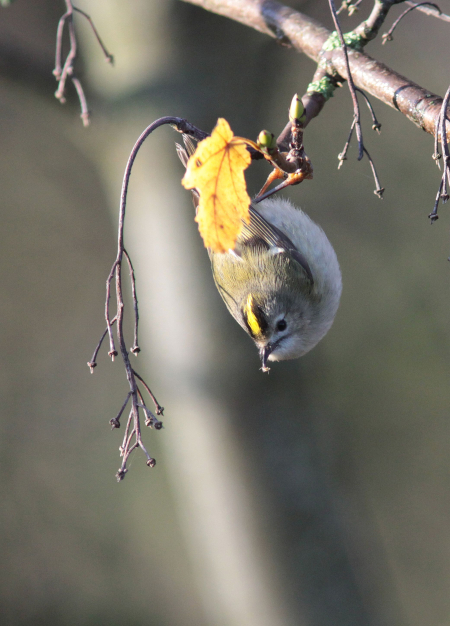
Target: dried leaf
(216,170)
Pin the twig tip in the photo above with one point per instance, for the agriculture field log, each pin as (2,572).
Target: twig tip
(121,474)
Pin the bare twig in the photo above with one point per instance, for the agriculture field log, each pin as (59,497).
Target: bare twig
(112,348)
(441,135)
(158,407)
(343,155)
(351,85)
(115,421)
(66,70)
(92,363)
(135,349)
(375,123)
(379,190)
(434,213)
(430,12)
(356,124)
(388,36)
(132,437)
(108,57)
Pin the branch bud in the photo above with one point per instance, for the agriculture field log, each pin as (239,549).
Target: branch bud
(297,111)
(266,140)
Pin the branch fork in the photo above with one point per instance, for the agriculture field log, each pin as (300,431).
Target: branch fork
(65,70)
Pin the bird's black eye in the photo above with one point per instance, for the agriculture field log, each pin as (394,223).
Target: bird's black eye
(281,325)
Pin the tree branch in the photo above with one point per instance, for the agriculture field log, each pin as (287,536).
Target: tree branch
(430,12)
(307,36)
(133,436)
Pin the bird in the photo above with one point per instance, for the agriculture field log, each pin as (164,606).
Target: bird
(282,282)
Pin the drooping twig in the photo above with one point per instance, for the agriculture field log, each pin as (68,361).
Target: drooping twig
(108,57)
(434,213)
(379,190)
(441,135)
(115,421)
(375,123)
(351,85)
(343,155)
(430,12)
(356,124)
(135,349)
(66,70)
(158,407)
(388,36)
(132,437)
(93,362)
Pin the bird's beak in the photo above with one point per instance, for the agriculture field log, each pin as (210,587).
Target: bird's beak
(264,354)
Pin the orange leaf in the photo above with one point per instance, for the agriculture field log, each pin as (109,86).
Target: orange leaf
(216,170)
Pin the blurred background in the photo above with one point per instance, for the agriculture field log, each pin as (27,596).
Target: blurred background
(317,495)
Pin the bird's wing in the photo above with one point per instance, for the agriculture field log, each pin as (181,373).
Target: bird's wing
(260,232)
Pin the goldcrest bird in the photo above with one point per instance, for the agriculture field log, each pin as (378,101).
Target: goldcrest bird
(282,282)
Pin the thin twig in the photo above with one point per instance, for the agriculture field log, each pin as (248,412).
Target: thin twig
(64,70)
(375,123)
(436,154)
(108,57)
(112,348)
(388,36)
(115,421)
(442,129)
(430,12)
(92,363)
(441,134)
(126,436)
(132,437)
(342,156)
(82,98)
(379,190)
(135,349)
(58,50)
(159,408)
(351,85)
(434,213)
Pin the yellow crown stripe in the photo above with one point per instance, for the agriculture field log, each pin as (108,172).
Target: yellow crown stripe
(252,321)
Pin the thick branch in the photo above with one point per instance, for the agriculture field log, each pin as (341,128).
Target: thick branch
(306,35)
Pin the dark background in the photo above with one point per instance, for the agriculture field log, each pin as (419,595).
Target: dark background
(317,495)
